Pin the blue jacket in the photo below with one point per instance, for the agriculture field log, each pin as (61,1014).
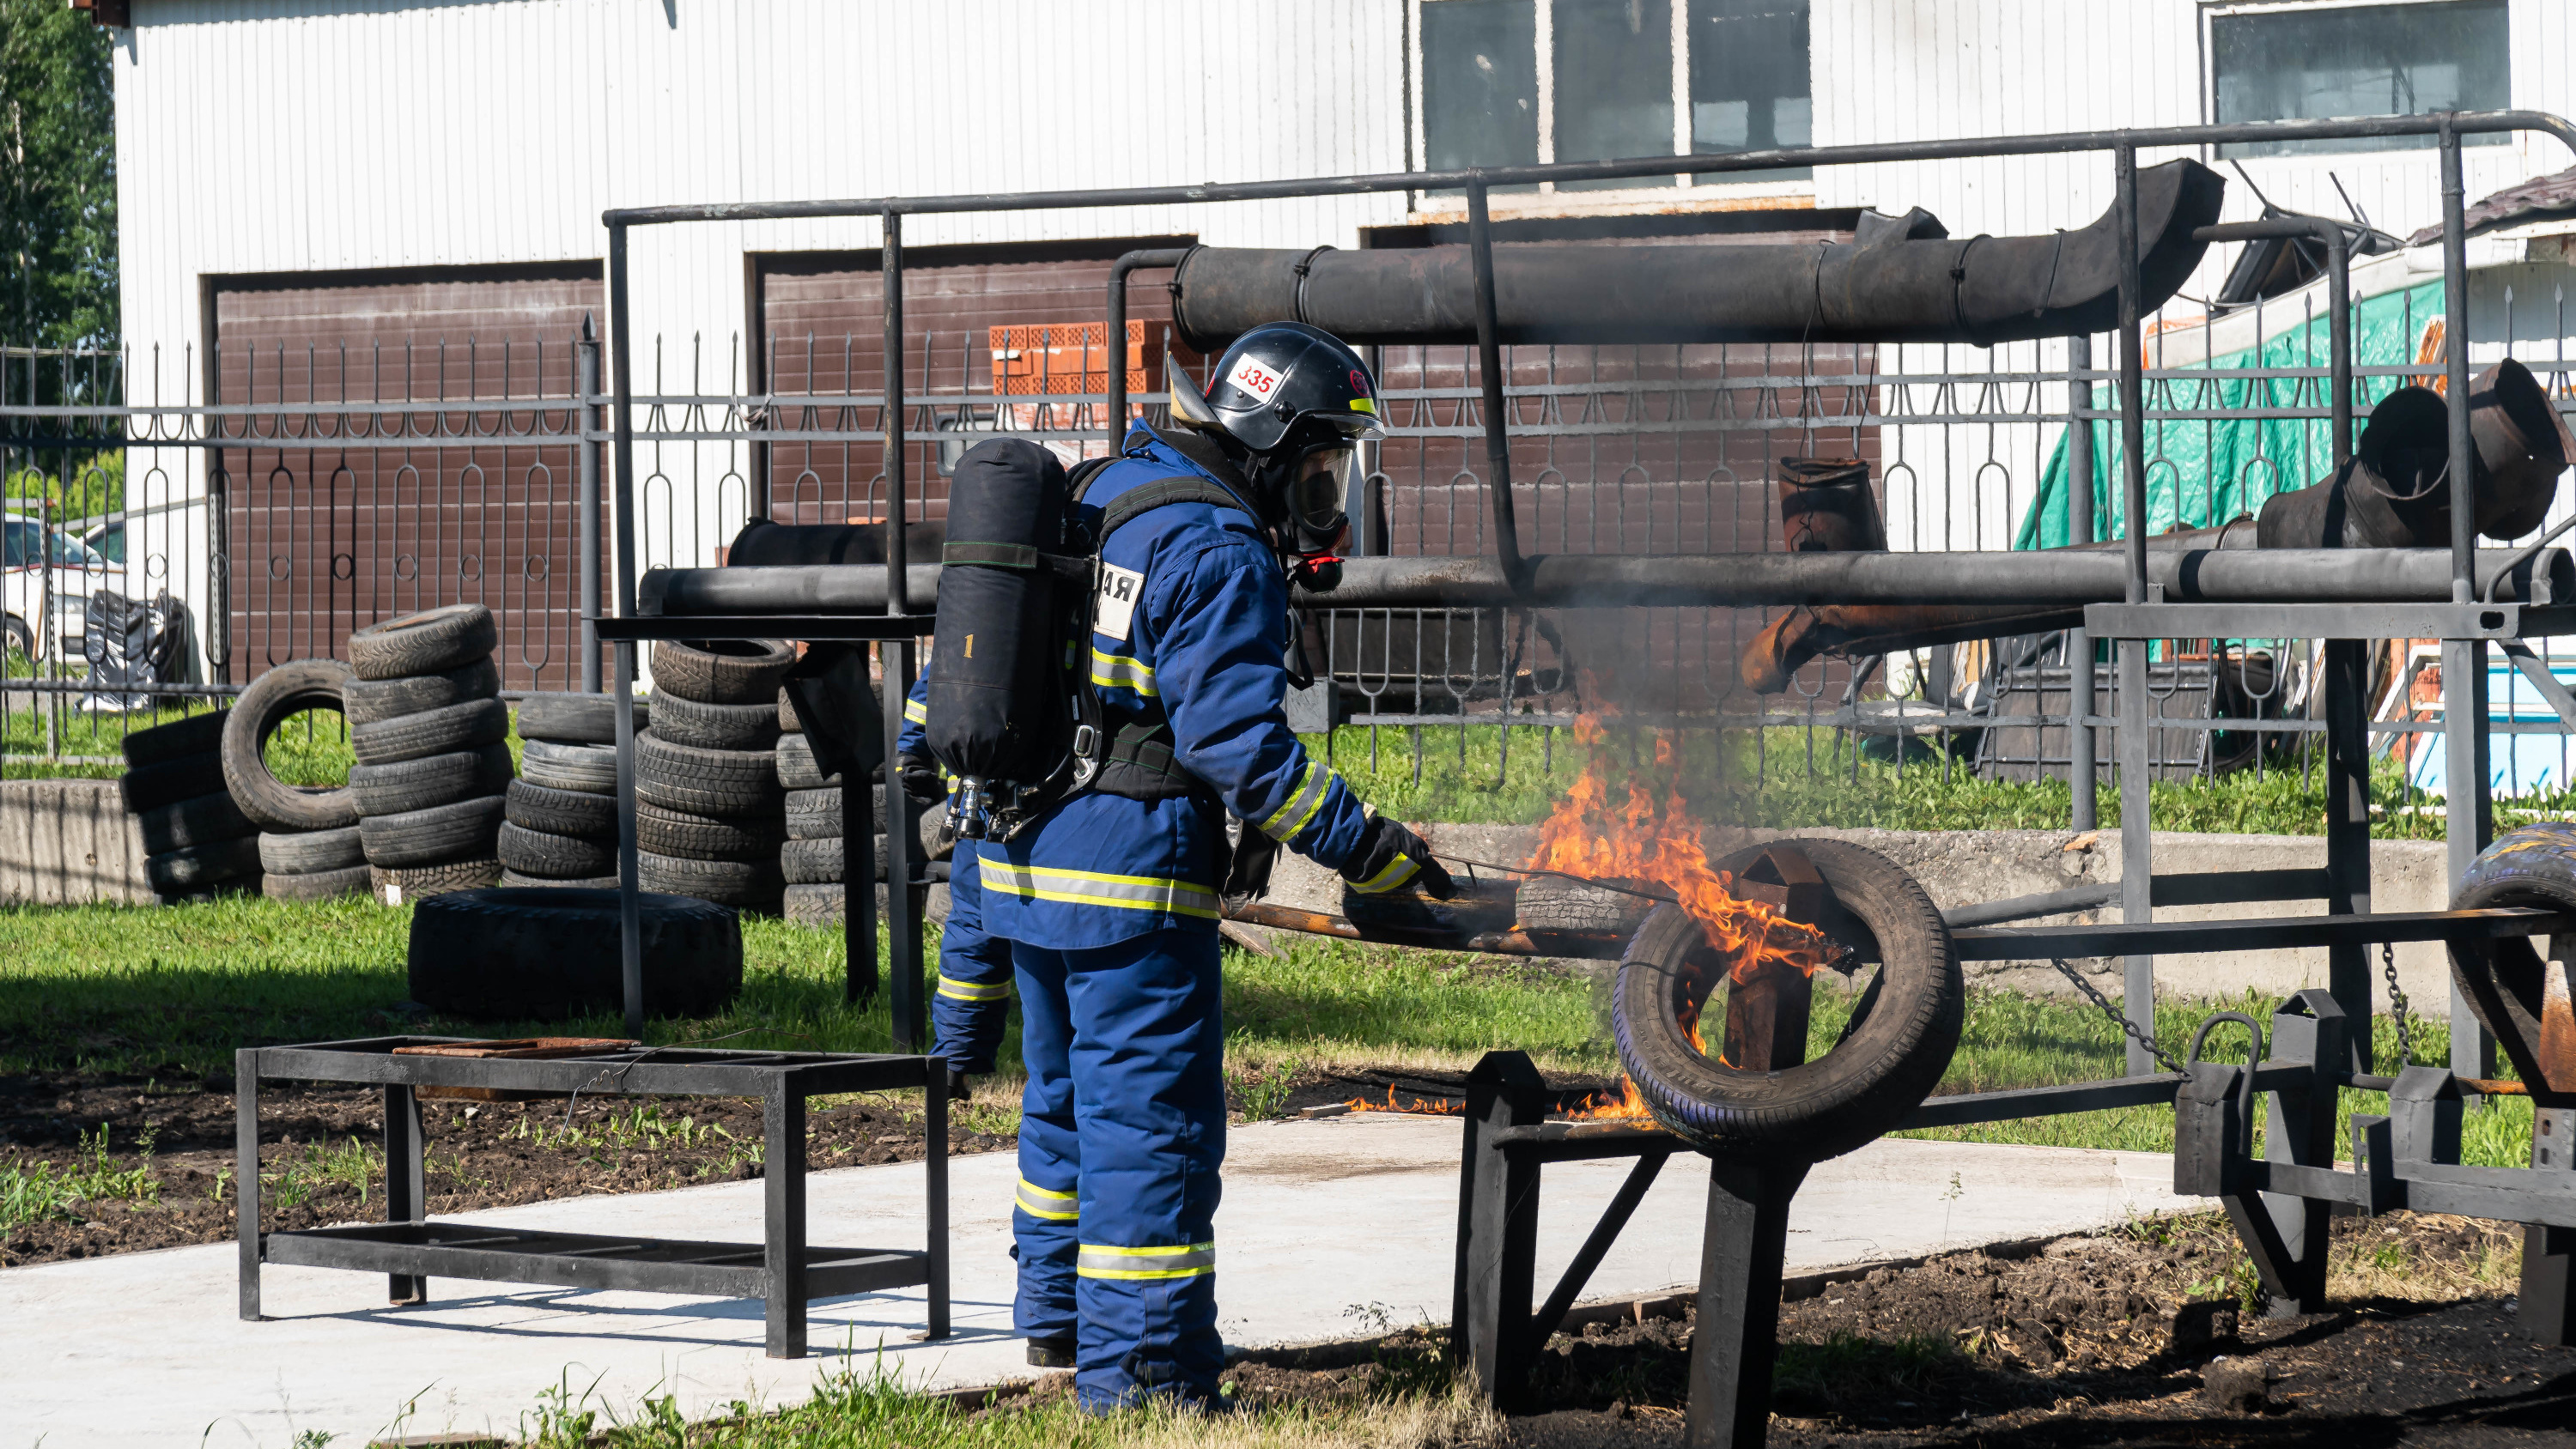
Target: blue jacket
(1204,648)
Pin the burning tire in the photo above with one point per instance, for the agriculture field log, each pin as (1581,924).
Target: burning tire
(1904,1028)
(2508,985)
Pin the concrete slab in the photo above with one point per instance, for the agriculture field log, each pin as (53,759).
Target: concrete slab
(1328,1227)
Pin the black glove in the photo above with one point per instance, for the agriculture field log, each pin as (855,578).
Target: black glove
(920,776)
(957,1084)
(1380,864)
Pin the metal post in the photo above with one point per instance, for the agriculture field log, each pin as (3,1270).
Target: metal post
(2082,767)
(1489,365)
(246,1178)
(890,271)
(934,1176)
(2347,706)
(1497,1228)
(2549,1253)
(406,1191)
(585,387)
(1736,1339)
(2468,802)
(782,1191)
(2137,850)
(858,887)
(903,928)
(1114,338)
(2309,1031)
(630,909)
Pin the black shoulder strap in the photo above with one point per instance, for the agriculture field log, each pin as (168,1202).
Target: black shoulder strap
(1124,508)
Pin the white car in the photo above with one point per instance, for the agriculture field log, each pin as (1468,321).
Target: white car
(78,571)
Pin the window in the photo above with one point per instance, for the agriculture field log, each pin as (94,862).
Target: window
(20,544)
(2278,64)
(1510,82)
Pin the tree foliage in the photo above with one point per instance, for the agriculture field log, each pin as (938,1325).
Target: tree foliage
(57,176)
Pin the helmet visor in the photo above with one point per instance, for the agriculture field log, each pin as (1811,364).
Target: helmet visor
(1320,485)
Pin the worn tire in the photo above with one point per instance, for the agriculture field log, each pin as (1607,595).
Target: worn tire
(372,701)
(811,862)
(796,767)
(565,718)
(403,884)
(517,954)
(561,812)
(197,867)
(430,780)
(751,884)
(512,879)
(684,721)
(722,671)
(706,837)
(167,782)
(310,851)
(1881,1070)
(816,814)
(693,781)
(198,734)
(319,885)
(435,836)
(432,641)
(553,857)
(2529,865)
(825,905)
(1552,908)
(788,723)
(290,688)
(202,820)
(466,726)
(580,769)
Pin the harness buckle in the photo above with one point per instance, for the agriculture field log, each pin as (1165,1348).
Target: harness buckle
(1085,740)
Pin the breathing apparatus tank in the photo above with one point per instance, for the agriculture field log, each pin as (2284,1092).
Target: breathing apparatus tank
(1000,717)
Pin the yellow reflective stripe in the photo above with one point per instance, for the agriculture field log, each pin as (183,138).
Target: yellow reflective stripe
(951,987)
(1037,1202)
(1117,671)
(1091,888)
(916,711)
(1300,810)
(1403,868)
(1186,1260)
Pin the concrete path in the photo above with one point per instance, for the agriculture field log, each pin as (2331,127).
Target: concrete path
(1328,1228)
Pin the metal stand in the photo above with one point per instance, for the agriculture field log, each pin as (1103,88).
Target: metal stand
(782,1270)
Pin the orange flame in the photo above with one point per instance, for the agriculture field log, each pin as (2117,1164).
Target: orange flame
(1418,1104)
(1626,1107)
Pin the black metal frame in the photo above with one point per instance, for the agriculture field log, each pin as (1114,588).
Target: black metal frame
(783,1269)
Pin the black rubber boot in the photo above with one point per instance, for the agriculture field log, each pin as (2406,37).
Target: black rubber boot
(1052,1353)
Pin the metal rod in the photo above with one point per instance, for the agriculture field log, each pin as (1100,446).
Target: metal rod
(2469,815)
(890,272)
(2082,768)
(934,1177)
(1114,340)
(2137,864)
(2050,143)
(1489,368)
(586,387)
(630,908)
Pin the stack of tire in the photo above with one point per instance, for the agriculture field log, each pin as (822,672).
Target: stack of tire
(811,860)
(710,817)
(308,834)
(559,825)
(195,839)
(428,727)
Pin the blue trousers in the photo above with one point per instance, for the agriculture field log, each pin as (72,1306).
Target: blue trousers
(972,1004)
(1121,1135)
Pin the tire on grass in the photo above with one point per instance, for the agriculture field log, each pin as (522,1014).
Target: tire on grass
(684,721)
(201,820)
(553,857)
(432,641)
(308,851)
(199,866)
(442,833)
(403,884)
(430,780)
(749,884)
(272,804)
(373,701)
(561,812)
(579,769)
(722,671)
(442,731)
(694,781)
(320,885)
(520,953)
(566,718)
(198,734)
(1890,1059)
(512,879)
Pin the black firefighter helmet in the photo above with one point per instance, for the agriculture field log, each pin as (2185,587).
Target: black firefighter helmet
(1298,401)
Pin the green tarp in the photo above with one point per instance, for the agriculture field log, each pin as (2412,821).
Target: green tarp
(2202,472)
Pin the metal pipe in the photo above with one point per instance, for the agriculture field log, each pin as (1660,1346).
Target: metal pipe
(1115,338)
(2055,578)
(1489,368)
(895,668)
(2137,866)
(2082,765)
(630,907)
(890,273)
(586,387)
(2469,814)
(2050,143)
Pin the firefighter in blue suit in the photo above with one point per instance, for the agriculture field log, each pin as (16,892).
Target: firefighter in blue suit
(970,1006)
(1109,902)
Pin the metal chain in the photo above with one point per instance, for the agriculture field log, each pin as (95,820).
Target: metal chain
(2397,1005)
(2113,1012)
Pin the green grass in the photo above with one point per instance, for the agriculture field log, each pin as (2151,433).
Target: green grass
(311,748)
